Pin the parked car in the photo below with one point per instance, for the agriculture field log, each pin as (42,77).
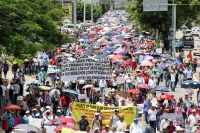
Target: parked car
(188,40)
(196,50)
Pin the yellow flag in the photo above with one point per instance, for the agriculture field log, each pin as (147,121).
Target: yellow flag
(66,130)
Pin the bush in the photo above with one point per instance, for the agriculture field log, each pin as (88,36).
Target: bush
(11,59)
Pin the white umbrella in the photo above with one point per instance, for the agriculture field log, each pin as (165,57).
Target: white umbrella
(28,128)
(53,92)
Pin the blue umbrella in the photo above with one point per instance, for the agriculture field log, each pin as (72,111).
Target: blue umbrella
(86,40)
(116,62)
(192,83)
(166,55)
(70,91)
(148,37)
(118,45)
(155,54)
(96,47)
(176,62)
(160,88)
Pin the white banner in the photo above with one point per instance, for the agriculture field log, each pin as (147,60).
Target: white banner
(86,68)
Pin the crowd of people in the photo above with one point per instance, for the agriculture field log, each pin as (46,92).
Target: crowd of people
(136,70)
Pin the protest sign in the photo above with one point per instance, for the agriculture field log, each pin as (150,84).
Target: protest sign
(86,68)
(50,129)
(129,112)
(128,103)
(35,122)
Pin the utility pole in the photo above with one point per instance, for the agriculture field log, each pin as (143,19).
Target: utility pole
(75,19)
(84,12)
(62,3)
(92,19)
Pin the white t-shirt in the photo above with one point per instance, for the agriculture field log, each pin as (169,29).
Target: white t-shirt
(41,61)
(152,115)
(36,61)
(173,77)
(193,119)
(189,91)
(189,73)
(81,81)
(152,83)
(3,89)
(47,120)
(120,126)
(128,80)
(16,88)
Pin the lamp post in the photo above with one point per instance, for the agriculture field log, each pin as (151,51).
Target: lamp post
(74,18)
(84,11)
(92,19)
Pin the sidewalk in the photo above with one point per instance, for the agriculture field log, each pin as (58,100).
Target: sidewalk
(28,80)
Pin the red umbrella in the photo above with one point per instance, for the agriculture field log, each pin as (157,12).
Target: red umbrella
(104,44)
(88,86)
(150,45)
(146,86)
(12,107)
(166,96)
(59,128)
(126,63)
(92,39)
(116,57)
(66,119)
(134,91)
(80,50)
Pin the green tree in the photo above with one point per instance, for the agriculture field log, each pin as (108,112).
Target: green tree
(27,26)
(186,14)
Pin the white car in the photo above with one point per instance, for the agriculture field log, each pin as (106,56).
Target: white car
(196,50)
(67,28)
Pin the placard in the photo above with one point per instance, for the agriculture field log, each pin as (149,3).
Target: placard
(86,68)
(35,122)
(129,112)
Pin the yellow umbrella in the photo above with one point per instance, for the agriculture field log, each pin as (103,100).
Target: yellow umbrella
(45,88)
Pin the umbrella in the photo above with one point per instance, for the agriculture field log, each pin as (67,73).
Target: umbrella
(59,128)
(80,50)
(160,88)
(70,91)
(166,96)
(176,62)
(157,70)
(96,47)
(45,88)
(68,55)
(12,107)
(118,45)
(172,116)
(144,86)
(64,119)
(150,45)
(148,37)
(116,57)
(163,66)
(134,91)
(192,83)
(146,64)
(155,54)
(28,128)
(53,92)
(166,55)
(85,40)
(88,86)
(148,58)
(126,63)
(33,88)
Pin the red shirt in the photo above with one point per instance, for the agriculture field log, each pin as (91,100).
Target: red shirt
(65,101)
(53,61)
(170,129)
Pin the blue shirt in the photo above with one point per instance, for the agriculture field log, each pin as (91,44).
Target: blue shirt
(43,75)
(10,122)
(147,106)
(56,118)
(46,62)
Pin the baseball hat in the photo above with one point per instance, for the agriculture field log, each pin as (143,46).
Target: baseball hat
(107,126)
(96,114)
(194,110)
(113,90)
(27,112)
(37,115)
(135,119)
(58,111)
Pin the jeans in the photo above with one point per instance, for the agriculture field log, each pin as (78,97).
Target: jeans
(146,116)
(25,70)
(102,90)
(167,82)
(181,79)
(55,105)
(183,122)
(161,77)
(172,84)
(128,86)
(36,69)
(45,68)
(158,122)
(153,125)
(65,110)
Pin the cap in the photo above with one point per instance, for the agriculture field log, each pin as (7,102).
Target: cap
(100,98)
(27,112)
(34,109)
(107,126)
(149,99)
(57,78)
(58,111)
(180,98)
(135,119)
(83,115)
(123,100)
(42,68)
(186,93)
(96,128)
(194,110)
(154,105)
(113,90)
(48,107)
(9,115)
(107,95)
(37,115)
(48,111)
(96,114)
